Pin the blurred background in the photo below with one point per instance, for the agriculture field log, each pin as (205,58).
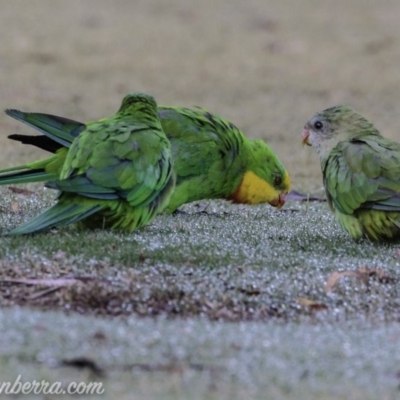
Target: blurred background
(265,65)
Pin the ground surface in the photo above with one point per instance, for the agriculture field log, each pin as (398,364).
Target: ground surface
(243,302)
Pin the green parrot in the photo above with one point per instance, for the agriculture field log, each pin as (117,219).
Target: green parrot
(361,172)
(212,158)
(116,172)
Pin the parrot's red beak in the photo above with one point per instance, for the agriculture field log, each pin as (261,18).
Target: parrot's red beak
(279,201)
(305,135)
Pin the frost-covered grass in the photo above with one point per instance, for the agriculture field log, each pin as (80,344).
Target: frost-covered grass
(198,359)
(224,288)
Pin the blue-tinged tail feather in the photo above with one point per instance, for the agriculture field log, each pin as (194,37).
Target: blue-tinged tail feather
(61,130)
(25,176)
(61,214)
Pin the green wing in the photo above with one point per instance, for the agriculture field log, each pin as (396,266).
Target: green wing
(364,173)
(199,139)
(117,159)
(204,149)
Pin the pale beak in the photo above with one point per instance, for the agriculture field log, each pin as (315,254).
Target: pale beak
(306,135)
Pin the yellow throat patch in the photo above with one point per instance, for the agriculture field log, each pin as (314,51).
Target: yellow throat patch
(254,190)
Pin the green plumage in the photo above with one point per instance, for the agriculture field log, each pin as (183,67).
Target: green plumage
(116,173)
(210,155)
(361,171)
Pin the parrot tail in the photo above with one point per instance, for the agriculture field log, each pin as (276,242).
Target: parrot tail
(58,135)
(22,174)
(61,131)
(41,141)
(59,215)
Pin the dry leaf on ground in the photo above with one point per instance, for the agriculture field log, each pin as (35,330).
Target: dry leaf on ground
(18,190)
(363,273)
(312,304)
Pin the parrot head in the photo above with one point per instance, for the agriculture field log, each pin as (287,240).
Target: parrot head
(329,127)
(137,102)
(265,181)
(277,186)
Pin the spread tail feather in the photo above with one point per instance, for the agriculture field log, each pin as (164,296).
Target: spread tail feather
(47,169)
(24,176)
(59,215)
(41,141)
(61,130)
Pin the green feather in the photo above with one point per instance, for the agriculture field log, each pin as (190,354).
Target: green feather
(211,155)
(59,215)
(99,190)
(61,130)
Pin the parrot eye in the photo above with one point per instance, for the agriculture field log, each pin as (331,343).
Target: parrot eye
(318,125)
(277,181)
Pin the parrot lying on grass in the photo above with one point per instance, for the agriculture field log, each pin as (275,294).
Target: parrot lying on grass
(211,157)
(361,172)
(117,172)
